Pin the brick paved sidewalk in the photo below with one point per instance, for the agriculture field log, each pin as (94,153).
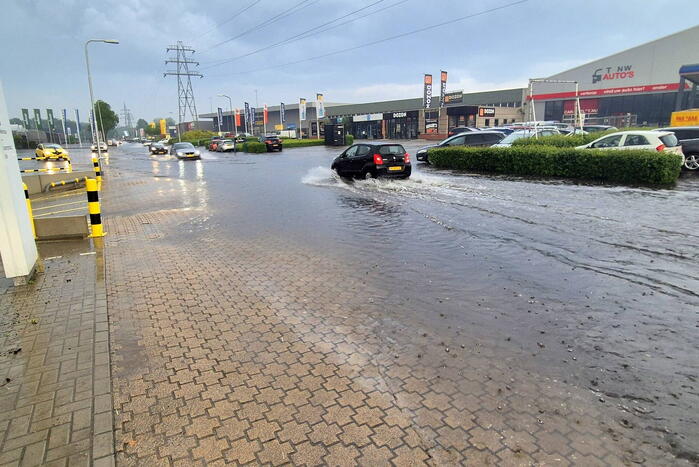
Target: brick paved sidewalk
(230,349)
(55,386)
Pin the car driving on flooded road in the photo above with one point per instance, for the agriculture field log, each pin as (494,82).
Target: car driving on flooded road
(185,151)
(372,160)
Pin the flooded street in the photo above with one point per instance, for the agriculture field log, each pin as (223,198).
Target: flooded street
(595,286)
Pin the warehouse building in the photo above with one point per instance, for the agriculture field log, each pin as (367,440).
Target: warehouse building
(638,86)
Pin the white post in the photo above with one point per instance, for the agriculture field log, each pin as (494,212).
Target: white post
(17,246)
(77,126)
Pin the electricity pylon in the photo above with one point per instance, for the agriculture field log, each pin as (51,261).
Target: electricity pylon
(185,94)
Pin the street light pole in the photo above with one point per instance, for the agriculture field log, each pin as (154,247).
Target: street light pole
(230,107)
(92,96)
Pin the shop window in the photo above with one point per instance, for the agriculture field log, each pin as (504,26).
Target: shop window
(487,122)
(497,122)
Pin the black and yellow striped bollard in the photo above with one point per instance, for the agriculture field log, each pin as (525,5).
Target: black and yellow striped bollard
(98,171)
(93,207)
(29,208)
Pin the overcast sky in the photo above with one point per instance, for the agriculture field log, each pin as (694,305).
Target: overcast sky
(43,64)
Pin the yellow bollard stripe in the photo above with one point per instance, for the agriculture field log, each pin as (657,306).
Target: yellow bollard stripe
(93,207)
(29,208)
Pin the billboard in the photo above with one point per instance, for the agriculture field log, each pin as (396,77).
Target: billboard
(302,109)
(443,88)
(237,119)
(320,106)
(37,119)
(456,97)
(25,118)
(282,113)
(264,115)
(427,96)
(486,112)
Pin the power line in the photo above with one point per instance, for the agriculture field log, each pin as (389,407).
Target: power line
(266,22)
(309,32)
(386,39)
(231,18)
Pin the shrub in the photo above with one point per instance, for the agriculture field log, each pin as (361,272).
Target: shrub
(297,143)
(624,166)
(254,147)
(349,140)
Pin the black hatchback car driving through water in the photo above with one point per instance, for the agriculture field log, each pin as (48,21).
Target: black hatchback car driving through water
(371,160)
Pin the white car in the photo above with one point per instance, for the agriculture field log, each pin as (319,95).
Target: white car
(515,135)
(653,140)
(103,147)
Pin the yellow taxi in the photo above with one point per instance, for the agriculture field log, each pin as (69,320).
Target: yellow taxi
(51,152)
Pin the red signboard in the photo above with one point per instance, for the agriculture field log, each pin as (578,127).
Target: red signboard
(608,91)
(587,106)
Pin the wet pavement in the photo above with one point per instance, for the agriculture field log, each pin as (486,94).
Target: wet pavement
(262,310)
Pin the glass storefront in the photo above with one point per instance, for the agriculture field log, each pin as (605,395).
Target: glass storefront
(367,130)
(648,109)
(464,115)
(401,125)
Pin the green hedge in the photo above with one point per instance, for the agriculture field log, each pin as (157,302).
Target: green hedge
(254,147)
(297,143)
(624,166)
(349,140)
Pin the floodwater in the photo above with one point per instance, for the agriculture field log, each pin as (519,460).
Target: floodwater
(596,285)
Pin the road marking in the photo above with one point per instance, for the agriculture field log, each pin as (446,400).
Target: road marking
(59,212)
(88,253)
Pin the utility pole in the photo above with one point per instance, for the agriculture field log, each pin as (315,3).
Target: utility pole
(185,94)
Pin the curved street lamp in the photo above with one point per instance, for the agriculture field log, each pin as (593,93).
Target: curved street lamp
(92,98)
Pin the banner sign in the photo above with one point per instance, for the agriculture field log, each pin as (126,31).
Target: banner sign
(49,118)
(264,115)
(163,126)
(302,109)
(237,119)
(25,118)
(320,106)
(77,122)
(65,121)
(252,117)
(37,119)
(456,97)
(443,89)
(282,113)
(247,116)
(427,97)
(367,117)
(220,117)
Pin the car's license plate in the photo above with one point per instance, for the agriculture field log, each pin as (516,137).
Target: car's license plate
(395,168)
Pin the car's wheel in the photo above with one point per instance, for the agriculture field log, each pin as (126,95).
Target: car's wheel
(691,161)
(368,174)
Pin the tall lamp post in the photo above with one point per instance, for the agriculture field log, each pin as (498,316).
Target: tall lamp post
(92,97)
(230,107)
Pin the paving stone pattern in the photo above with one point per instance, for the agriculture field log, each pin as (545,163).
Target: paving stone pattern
(55,387)
(231,349)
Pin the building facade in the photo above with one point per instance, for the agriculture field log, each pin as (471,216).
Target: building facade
(637,86)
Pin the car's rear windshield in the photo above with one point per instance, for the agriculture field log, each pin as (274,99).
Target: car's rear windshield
(391,149)
(670,140)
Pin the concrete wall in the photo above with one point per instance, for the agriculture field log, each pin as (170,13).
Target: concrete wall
(56,228)
(37,183)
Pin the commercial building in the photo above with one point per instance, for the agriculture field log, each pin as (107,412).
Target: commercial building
(638,86)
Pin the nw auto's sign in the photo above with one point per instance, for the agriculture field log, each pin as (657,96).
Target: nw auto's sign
(611,74)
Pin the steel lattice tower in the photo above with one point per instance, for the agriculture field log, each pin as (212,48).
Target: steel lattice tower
(128,123)
(185,94)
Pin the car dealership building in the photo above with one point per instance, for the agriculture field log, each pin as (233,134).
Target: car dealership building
(638,86)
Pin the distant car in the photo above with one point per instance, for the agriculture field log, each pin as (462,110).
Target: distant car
(242,137)
(651,140)
(506,130)
(226,145)
(371,160)
(689,139)
(103,147)
(460,129)
(158,148)
(185,151)
(518,134)
(272,142)
(474,139)
(51,152)
(213,144)
(594,128)
(111,142)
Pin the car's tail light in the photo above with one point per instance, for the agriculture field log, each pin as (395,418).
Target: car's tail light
(269,141)
(406,158)
(378,160)
(660,148)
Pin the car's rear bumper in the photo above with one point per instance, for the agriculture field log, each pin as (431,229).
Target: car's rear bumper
(422,157)
(405,172)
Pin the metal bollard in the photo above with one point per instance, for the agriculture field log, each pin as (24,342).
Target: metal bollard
(29,208)
(93,207)
(98,171)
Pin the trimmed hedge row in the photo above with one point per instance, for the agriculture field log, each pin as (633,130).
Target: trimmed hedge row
(297,143)
(624,166)
(254,147)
